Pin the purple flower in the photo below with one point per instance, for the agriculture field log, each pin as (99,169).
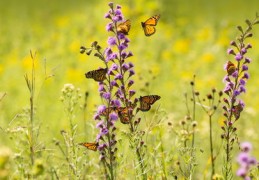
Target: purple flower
(243,50)
(101,88)
(101,109)
(248,46)
(241,172)
(239,57)
(242,89)
(97,117)
(131,93)
(130,83)
(116,103)
(118,76)
(118,7)
(118,12)
(243,158)
(121,36)
(231,51)
(104,131)
(244,67)
(99,125)
(125,66)
(235,74)
(113,116)
(108,52)
(122,46)
(242,82)
(109,27)
(246,146)
(112,41)
(246,76)
(111,5)
(107,95)
(236,93)
(247,60)
(131,72)
(130,54)
(114,67)
(107,15)
(117,18)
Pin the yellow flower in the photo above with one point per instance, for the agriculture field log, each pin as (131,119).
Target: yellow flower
(62,21)
(182,46)
(208,57)
(204,34)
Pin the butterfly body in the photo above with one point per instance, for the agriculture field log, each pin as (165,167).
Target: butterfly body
(91,146)
(124,27)
(231,68)
(149,25)
(97,75)
(147,101)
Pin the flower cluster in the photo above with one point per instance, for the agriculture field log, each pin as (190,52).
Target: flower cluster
(245,161)
(235,81)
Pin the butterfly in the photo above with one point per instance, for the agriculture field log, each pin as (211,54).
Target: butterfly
(149,25)
(231,68)
(123,113)
(97,75)
(237,110)
(91,146)
(147,101)
(108,110)
(124,27)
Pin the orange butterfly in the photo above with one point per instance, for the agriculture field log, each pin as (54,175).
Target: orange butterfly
(149,25)
(237,110)
(231,68)
(124,113)
(107,111)
(124,27)
(91,146)
(97,75)
(147,101)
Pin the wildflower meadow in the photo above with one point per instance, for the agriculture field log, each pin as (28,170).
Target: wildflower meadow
(129,90)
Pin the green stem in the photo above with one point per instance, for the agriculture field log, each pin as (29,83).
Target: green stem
(211,149)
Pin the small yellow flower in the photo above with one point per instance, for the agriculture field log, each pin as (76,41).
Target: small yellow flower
(182,46)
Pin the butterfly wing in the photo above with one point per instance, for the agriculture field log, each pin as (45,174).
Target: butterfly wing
(91,146)
(149,25)
(124,27)
(231,68)
(147,101)
(98,75)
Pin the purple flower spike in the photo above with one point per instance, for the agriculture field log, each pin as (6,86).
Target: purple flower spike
(107,96)
(118,12)
(243,50)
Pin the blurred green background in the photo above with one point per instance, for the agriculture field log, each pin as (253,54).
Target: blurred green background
(192,38)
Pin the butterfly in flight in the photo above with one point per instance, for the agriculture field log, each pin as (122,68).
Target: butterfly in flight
(91,146)
(149,25)
(147,101)
(124,27)
(97,75)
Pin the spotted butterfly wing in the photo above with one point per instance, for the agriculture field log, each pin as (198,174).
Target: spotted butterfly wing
(91,146)
(124,27)
(149,25)
(147,101)
(98,75)
(108,110)
(237,110)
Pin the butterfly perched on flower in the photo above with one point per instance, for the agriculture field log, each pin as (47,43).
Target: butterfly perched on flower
(97,75)
(124,27)
(124,113)
(108,110)
(149,25)
(237,109)
(91,146)
(147,101)
(231,68)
